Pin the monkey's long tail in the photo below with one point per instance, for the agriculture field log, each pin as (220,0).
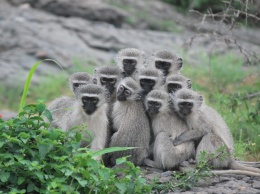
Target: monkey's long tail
(236,166)
(249,164)
(239,172)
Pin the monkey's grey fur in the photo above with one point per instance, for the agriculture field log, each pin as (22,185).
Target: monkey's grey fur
(96,123)
(60,105)
(131,124)
(166,124)
(152,74)
(80,78)
(207,127)
(108,72)
(177,79)
(131,53)
(167,56)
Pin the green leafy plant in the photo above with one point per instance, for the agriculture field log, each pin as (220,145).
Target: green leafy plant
(37,159)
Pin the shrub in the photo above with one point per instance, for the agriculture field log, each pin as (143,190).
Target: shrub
(37,159)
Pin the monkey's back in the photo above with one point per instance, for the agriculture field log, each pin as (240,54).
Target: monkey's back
(58,108)
(210,119)
(132,130)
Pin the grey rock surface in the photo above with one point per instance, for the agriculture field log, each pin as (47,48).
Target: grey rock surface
(224,184)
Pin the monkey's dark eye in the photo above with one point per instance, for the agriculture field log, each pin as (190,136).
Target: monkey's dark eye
(112,81)
(95,100)
(129,62)
(178,86)
(75,85)
(120,88)
(189,104)
(166,64)
(127,92)
(157,105)
(103,80)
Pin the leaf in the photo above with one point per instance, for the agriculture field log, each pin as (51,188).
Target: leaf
(1,143)
(20,180)
(28,82)
(30,187)
(24,137)
(78,136)
(105,174)
(4,176)
(44,148)
(112,149)
(40,107)
(48,115)
(121,186)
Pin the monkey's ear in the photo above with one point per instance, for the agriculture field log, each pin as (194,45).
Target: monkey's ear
(179,63)
(189,83)
(94,81)
(200,99)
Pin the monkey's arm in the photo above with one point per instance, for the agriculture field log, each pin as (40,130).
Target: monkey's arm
(190,135)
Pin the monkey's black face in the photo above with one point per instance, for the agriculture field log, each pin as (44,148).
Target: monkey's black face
(147,85)
(129,66)
(76,86)
(173,87)
(164,66)
(123,93)
(89,104)
(153,107)
(109,83)
(185,108)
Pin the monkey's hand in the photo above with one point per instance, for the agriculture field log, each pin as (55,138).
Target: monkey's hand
(176,141)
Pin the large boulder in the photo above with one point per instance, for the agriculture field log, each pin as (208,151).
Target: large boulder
(87,9)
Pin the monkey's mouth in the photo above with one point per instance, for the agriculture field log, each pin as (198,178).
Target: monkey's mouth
(185,112)
(121,98)
(88,112)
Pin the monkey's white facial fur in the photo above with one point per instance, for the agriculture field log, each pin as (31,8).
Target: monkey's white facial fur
(186,101)
(128,90)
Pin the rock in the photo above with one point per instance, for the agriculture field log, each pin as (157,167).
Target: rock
(87,9)
(256,185)
(224,184)
(7,114)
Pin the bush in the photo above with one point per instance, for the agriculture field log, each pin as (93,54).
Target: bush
(37,159)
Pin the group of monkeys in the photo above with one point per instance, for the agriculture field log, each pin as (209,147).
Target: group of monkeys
(145,102)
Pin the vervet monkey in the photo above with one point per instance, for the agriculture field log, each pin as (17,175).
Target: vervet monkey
(166,125)
(176,82)
(149,79)
(78,79)
(166,61)
(206,127)
(59,106)
(108,77)
(130,60)
(130,123)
